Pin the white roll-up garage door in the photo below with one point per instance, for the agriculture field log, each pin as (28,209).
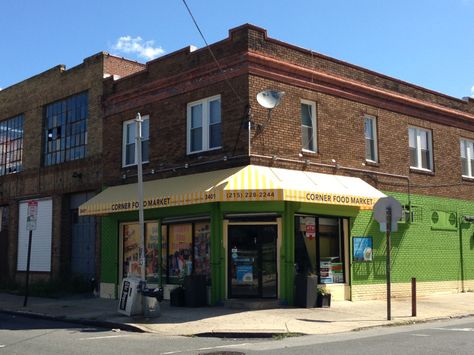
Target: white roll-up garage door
(41,238)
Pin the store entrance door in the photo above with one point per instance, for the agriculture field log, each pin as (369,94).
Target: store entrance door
(252,261)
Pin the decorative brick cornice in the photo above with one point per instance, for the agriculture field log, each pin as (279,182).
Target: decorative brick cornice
(205,75)
(312,79)
(258,64)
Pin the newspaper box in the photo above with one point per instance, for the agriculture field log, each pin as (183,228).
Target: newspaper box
(130,301)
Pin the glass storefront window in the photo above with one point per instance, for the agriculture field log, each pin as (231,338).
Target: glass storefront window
(180,251)
(319,248)
(185,250)
(202,252)
(131,251)
(164,251)
(151,252)
(131,243)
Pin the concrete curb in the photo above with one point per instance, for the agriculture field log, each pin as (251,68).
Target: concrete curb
(84,321)
(217,334)
(410,322)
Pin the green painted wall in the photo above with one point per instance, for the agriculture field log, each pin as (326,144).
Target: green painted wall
(109,251)
(417,249)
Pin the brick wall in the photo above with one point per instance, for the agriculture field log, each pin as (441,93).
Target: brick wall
(340,136)
(120,66)
(438,258)
(29,98)
(168,83)
(259,41)
(168,121)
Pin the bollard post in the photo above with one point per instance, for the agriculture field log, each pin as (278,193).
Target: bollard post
(413,296)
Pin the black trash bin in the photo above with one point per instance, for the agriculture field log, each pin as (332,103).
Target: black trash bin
(177,297)
(155,292)
(195,291)
(306,291)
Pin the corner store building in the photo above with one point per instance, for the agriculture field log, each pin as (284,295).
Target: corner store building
(249,212)
(434,245)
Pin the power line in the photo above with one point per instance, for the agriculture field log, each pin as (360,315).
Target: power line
(212,53)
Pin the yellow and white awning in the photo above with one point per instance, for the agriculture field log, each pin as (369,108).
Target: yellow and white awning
(249,183)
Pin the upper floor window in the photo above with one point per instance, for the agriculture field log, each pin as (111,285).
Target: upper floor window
(11,145)
(308,125)
(66,129)
(467,158)
(370,127)
(204,125)
(129,151)
(421,151)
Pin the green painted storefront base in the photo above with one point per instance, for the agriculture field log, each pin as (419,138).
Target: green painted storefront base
(419,249)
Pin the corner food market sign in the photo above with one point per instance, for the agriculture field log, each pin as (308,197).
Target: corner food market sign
(230,196)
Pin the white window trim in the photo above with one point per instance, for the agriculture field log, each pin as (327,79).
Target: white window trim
(205,124)
(376,143)
(418,149)
(470,168)
(313,121)
(124,142)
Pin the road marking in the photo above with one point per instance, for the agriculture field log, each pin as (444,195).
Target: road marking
(210,348)
(456,329)
(105,337)
(420,335)
(2,346)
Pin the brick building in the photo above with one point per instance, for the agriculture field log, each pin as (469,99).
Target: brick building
(254,210)
(251,210)
(51,151)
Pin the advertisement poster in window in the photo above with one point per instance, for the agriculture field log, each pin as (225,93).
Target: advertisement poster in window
(131,257)
(244,274)
(362,249)
(180,250)
(151,255)
(164,250)
(308,227)
(202,254)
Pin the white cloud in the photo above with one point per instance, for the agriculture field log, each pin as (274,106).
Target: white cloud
(472,91)
(143,49)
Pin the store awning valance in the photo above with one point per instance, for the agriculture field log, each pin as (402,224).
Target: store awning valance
(249,183)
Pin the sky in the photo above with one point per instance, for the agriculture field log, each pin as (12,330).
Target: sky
(427,43)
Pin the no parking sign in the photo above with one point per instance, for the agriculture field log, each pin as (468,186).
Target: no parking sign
(31,215)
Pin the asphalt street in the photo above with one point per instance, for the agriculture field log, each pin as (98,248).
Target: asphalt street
(21,335)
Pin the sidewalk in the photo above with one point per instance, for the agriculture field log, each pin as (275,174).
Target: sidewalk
(342,316)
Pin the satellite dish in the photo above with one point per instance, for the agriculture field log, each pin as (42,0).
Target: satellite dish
(270,98)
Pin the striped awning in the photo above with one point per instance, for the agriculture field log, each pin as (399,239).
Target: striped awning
(249,183)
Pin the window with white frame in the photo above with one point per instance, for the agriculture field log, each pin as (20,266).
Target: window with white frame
(204,125)
(421,152)
(370,128)
(129,151)
(308,125)
(467,158)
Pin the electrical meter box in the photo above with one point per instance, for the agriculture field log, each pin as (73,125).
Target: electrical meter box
(130,301)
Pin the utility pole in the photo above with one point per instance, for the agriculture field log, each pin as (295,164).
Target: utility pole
(138,139)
